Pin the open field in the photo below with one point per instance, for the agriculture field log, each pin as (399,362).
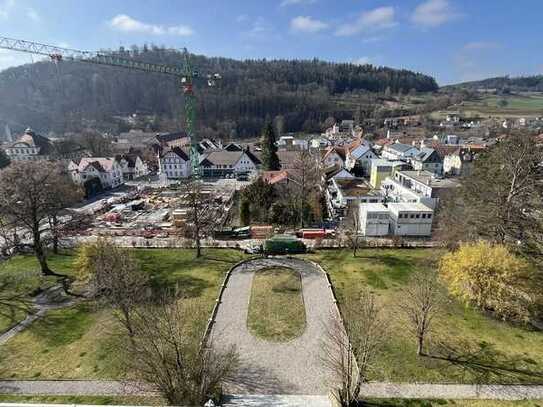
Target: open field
(518,105)
(276,308)
(82,341)
(497,351)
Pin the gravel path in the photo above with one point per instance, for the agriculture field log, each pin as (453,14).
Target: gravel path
(371,390)
(71,387)
(292,367)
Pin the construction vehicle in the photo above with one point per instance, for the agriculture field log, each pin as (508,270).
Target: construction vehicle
(185,74)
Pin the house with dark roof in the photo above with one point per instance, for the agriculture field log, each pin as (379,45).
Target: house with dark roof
(428,159)
(132,166)
(174,163)
(358,157)
(169,140)
(30,146)
(227,164)
(333,156)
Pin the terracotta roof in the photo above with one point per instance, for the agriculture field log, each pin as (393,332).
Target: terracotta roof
(339,150)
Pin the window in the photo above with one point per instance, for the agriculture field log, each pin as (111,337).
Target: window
(429,216)
(418,216)
(412,216)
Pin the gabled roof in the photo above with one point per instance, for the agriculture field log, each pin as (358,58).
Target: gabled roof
(338,150)
(179,152)
(35,140)
(169,137)
(102,164)
(233,147)
(425,154)
(221,157)
(400,147)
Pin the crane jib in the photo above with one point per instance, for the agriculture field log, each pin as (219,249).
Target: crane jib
(185,73)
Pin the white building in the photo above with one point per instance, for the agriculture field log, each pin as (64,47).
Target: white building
(399,151)
(410,219)
(132,166)
(174,164)
(30,146)
(107,170)
(359,155)
(225,164)
(334,156)
(374,219)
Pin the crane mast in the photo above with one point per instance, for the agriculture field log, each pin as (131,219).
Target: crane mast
(184,75)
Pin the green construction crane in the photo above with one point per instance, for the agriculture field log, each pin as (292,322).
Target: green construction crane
(185,74)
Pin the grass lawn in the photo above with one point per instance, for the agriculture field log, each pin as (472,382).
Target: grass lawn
(82,341)
(86,400)
(276,308)
(488,341)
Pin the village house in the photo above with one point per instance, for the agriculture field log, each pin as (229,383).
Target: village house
(29,147)
(132,166)
(429,160)
(358,157)
(174,163)
(459,162)
(229,164)
(333,156)
(344,193)
(399,151)
(374,219)
(381,169)
(106,170)
(416,187)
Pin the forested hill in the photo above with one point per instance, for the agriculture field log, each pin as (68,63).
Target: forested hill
(517,84)
(61,97)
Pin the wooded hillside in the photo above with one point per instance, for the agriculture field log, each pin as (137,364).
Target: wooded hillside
(64,97)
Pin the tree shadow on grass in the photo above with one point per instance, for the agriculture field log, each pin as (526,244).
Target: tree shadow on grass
(188,286)
(62,327)
(487,365)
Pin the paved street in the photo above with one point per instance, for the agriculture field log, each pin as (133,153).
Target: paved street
(276,368)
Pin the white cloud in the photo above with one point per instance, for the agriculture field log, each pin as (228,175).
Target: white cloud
(285,3)
(307,24)
(362,61)
(33,14)
(9,59)
(5,8)
(433,13)
(125,23)
(242,18)
(373,20)
(479,45)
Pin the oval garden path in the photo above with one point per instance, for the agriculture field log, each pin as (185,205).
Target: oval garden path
(292,367)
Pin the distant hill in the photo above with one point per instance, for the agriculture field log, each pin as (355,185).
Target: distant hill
(517,84)
(61,97)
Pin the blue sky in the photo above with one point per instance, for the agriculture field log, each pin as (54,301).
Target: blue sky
(453,40)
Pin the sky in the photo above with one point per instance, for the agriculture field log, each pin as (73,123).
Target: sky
(452,40)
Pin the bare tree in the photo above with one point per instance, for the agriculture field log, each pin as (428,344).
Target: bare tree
(202,213)
(420,302)
(166,352)
(305,177)
(351,348)
(350,229)
(31,193)
(115,278)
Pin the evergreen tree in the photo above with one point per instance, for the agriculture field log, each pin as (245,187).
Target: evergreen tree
(270,160)
(245,212)
(4,159)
